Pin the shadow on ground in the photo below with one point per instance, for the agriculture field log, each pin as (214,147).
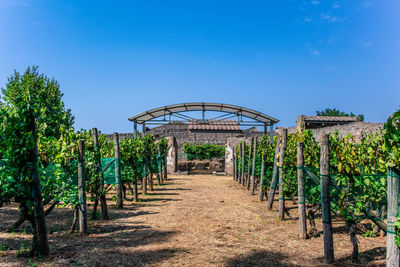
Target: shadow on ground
(260,258)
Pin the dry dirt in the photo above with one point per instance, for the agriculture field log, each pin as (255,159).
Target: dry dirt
(200,220)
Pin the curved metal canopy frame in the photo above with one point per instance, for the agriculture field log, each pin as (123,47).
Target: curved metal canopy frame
(155,113)
(158,115)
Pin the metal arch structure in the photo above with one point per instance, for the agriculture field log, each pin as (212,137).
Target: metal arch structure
(164,115)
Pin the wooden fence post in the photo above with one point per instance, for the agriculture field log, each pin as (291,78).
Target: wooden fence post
(243,162)
(159,165)
(233,164)
(326,201)
(100,186)
(144,179)
(261,194)
(300,192)
(393,190)
(81,187)
(249,165)
(118,181)
(272,188)
(281,211)
(41,243)
(253,170)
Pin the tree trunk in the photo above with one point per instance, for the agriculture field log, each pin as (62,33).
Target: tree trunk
(94,210)
(75,220)
(311,217)
(135,190)
(354,242)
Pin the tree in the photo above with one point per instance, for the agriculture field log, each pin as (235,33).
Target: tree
(338,113)
(31,109)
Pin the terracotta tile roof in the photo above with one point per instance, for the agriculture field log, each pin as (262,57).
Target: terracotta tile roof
(214,125)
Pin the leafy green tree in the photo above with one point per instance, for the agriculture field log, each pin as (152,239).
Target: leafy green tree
(31,110)
(338,113)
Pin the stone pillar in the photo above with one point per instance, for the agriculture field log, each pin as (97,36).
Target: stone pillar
(228,158)
(172,155)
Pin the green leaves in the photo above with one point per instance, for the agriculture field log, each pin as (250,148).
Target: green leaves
(204,151)
(392,139)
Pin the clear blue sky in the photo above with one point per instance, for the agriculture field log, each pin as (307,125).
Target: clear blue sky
(115,59)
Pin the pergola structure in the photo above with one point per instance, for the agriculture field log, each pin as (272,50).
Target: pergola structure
(179,112)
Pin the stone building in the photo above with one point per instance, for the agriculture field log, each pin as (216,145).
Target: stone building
(197,132)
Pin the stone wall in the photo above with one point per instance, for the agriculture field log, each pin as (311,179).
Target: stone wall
(172,155)
(356,129)
(231,143)
(182,134)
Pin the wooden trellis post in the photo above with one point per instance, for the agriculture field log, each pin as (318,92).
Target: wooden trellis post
(326,201)
(243,161)
(300,188)
(233,164)
(81,187)
(118,171)
(393,190)
(281,211)
(159,165)
(261,194)
(100,186)
(253,170)
(272,188)
(144,179)
(249,165)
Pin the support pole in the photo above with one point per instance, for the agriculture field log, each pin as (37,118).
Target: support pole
(325,201)
(40,241)
(234,164)
(144,128)
(249,165)
(271,133)
(272,188)
(281,212)
(261,194)
(393,190)
(135,129)
(100,185)
(253,170)
(300,188)
(243,161)
(118,171)
(81,187)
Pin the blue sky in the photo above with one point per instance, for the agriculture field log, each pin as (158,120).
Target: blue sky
(115,59)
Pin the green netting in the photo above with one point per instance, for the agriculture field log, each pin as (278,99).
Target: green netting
(108,166)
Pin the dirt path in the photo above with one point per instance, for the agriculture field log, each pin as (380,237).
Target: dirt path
(190,221)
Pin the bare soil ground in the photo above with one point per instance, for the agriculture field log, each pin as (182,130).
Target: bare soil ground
(199,220)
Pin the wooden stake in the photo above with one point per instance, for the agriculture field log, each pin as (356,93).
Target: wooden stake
(100,186)
(272,188)
(249,165)
(243,160)
(300,188)
(144,180)
(253,170)
(40,243)
(118,181)
(325,201)
(81,187)
(261,194)
(281,211)
(393,190)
